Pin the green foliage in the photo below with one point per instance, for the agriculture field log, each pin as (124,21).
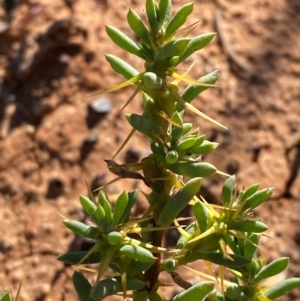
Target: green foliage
(223,235)
(6,297)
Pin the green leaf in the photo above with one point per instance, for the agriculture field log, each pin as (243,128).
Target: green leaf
(147,51)
(198,292)
(105,203)
(164,11)
(258,198)
(199,140)
(143,125)
(138,253)
(182,241)
(121,67)
(247,226)
(139,266)
(123,41)
(254,268)
(132,199)
(221,259)
(178,20)
(227,190)
(205,148)
(138,27)
(185,144)
(251,190)
(120,208)
(112,286)
(201,214)
(192,91)
(208,244)
(158,151)
(186,127)
(169,62)
(236,293)
(195,44)
(193,169)
(231,241)
(76,257)
(282,288)
(250,249)
(174,48)
(100,217)
(6,297)
(177,131)
(152,16)
(82,286)
(81,229)
(88,206)
(178,202)
(272,269)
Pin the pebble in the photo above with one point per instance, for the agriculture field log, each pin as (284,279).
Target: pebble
(98,181)
(55,188)
(88,145)
(91,139)
(5,246)
(101,105)
(132,156)
(233,166)
(97,111)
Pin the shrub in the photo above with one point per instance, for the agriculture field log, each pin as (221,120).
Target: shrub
(223,235)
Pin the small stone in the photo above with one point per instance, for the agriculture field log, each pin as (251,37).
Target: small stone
(97,111)
(101,105)
(91,139)
(233,166)
(55,188)
(5,246)
(132,156)
(88,145)
(98,181)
